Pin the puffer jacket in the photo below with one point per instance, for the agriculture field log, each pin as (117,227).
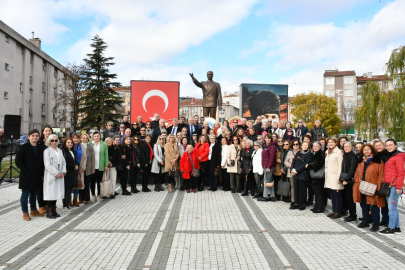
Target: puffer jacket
(269,155)
(394,169)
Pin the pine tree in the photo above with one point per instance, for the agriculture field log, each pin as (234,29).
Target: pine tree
(313,106)
(99,103)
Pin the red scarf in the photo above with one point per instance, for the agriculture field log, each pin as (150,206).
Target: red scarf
(151,152)
(216,131)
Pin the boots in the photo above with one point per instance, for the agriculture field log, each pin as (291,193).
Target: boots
(93,198)
(49,213)
(160,187)
(75,203)
(169,188)
(98,198)
(26,216)
(245,189)
(54,213)
(42,210)
(35,213)
(157,189)
(70,203)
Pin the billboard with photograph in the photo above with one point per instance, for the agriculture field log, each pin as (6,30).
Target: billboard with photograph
(150,97)
(267,100)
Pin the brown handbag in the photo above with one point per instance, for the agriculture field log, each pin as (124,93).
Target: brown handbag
(79,182)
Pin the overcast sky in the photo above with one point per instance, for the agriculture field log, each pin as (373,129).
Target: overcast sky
(243,41)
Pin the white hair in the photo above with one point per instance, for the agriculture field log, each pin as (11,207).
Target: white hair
(249,141)
(48,141)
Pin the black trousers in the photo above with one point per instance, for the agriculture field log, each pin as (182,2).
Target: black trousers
(318,191)
(190,183)
(276,178)
(84,194)
(310,193)
(251,181)
(241,180)
(349,199)
(366,208)
(96,178)
(204,173)
(169,179)
(135,173)
(146,175)
(159,178)
(300,191)
(50,204)
(226,180)
(40,194)
(68,195)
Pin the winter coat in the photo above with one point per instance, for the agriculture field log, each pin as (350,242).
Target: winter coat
(126,150)
(90,162)
(298,163)
(5,144)
(317,161)
(257,161)
(31,166)
(83,160)
(54,188)
(215,160)
(232,154)
(202,151)
(246,157)
(114,155)
(185,164)
(269,155)
(283,157)
(394,170)
(137,154)
(349,165)
(384,155)
(253,138)
(145,155)
(224,156)
(288,161)
(317,133)
(277,171)
(333,167)
(158,156)
(374,175)
(171,152)
(103,156)
(70,177)
(304,130)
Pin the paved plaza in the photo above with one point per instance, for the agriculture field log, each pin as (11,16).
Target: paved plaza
(207,230)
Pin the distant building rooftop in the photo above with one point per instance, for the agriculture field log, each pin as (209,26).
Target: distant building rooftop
(330,73)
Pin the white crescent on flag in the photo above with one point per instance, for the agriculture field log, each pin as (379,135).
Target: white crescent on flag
(157,93)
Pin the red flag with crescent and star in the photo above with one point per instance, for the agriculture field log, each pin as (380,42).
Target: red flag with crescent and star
(150,97)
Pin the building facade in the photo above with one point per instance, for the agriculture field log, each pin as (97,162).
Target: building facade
(28,81)
(188,107)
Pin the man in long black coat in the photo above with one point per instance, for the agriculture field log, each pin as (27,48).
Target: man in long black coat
(31,163)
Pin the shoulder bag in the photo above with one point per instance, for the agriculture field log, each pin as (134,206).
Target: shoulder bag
(343,176)
(196,173)
(367,188)
(283,188)
(172,172)
(318,174)
(385,188)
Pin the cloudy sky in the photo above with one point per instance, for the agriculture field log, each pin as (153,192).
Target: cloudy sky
(243,41)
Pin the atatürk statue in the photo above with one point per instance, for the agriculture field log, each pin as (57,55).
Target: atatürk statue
(211,94)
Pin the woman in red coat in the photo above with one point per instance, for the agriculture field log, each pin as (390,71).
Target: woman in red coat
(394,176)
(186,167)
(202,149)
(370,170)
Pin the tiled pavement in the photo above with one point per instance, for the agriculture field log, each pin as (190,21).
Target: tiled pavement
(207,230)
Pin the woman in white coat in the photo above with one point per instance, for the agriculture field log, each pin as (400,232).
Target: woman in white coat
(55,170)
(158,164)
(257,164)
(224,165)
(333,167)
(233,158)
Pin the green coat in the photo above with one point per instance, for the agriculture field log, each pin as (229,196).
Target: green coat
(103,158)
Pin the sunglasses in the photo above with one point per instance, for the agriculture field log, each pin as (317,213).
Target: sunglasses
(122,127)
(136,140)
(279,141)
(299,122)
(54,140)
(109,125)
(194,135)
(161,139)
(143,129)
(286,144)
(235,140)
(134,124)
(255,145)
(295,144)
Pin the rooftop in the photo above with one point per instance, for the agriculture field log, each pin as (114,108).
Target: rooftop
(330,73)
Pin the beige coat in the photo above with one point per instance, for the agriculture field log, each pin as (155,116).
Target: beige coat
(90,164)
(171,152)
(232,155)
(333,167)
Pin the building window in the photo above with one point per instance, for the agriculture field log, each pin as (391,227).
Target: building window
(185,110)
(348,80)
(7,39)
(43,87)
(44,66)
(55,72)
(6,66)
(31,83)
(31,58)
(20,111)
(330,93)
(348,93)
(194,110)
(21,87)
(385,84)
(22,51)
(43,108)
(330,81)
(5,95)
(348,105)
(54,91)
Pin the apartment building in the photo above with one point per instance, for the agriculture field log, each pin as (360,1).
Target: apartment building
(28,81)
(384,82)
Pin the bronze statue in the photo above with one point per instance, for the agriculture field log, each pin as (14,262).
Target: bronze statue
(211,94)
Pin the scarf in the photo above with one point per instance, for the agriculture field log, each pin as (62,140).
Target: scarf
(184,147)
(299,132)
(151,151)
(289,137)
(304,152)
(367,160)
(216,131)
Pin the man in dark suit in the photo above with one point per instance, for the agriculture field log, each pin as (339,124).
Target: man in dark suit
(173,129)
(258,126)
(155,123)
(182,123)
(140,123)
(191,128)
(158,131)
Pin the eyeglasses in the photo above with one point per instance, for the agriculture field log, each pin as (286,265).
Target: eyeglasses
(280,141)
(136,140)
(299,122)
(134,124)
(54,140)
(143,129)
(295,144)
(286,144)
(228,134)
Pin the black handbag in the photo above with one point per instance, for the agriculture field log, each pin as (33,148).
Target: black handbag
(385,189)
(283,188)
(217,172)
(119,167)
(344,176)
(172,171)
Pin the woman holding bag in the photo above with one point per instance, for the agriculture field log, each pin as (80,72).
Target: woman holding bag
(316,169)
(232,160)
(171,157)
(128,161)
(158,163)
(101,164)
(89,168)
(188,163)
(70,175)
(81,159)
(371,170)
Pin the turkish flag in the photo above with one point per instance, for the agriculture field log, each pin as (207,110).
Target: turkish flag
(150,97)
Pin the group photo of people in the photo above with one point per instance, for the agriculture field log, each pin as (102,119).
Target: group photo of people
(268,161)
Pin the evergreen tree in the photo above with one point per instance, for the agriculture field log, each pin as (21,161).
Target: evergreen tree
(99,103)
(313,106)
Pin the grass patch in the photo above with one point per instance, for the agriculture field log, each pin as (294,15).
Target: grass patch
(4,166)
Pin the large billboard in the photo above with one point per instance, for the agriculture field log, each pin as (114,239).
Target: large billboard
(267,100)
(150,97)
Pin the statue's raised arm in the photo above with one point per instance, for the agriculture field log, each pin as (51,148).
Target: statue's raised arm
(195,81)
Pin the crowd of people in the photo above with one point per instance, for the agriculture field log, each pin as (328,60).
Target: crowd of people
(275,163)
